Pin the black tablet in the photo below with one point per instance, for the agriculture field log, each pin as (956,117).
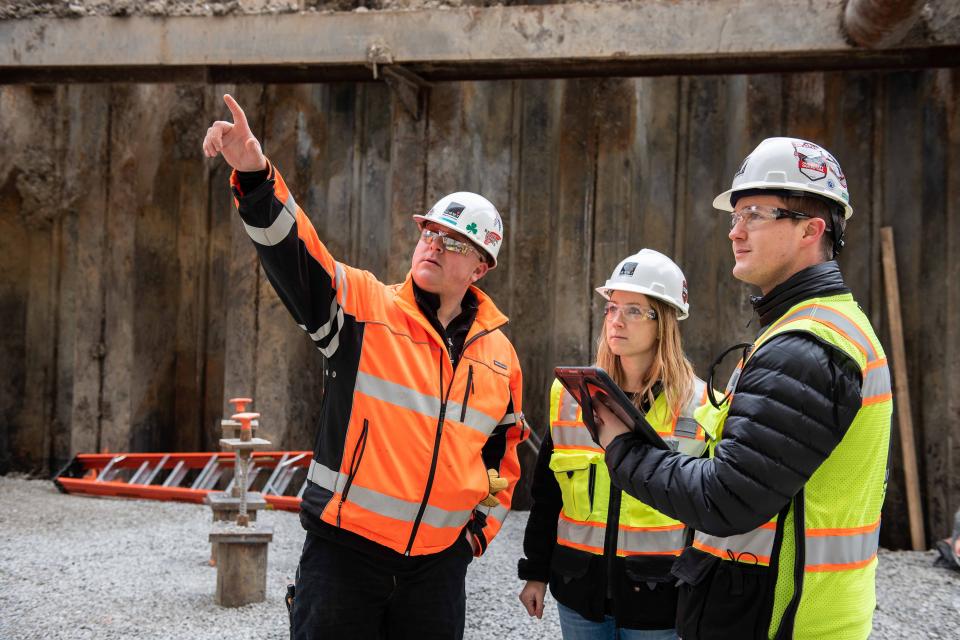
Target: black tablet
(584,383)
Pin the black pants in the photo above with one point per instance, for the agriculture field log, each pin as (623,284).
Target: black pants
(343,593)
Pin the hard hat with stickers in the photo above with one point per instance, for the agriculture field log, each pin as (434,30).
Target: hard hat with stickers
(654,275)
(792,165)
(471,215)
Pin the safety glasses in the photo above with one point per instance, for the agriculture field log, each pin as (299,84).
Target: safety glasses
(628,312)
(447,243)
(756,215)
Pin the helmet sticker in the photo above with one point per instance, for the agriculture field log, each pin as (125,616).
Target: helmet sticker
(492,237)
(453,211)
(472,228)
(743,167)
(835,168)
(498,224)
(830,183)
(683,291)
(814,167)
(628,268)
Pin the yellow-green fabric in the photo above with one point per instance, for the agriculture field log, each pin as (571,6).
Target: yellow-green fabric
(580,470)
(841,500)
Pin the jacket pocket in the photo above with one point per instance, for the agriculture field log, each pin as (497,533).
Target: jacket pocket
(355,459)
(576,581)
(576,475)
(721,598)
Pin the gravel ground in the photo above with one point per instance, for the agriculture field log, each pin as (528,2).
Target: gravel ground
(75,567)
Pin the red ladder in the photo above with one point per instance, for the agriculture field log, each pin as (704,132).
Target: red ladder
(185,477)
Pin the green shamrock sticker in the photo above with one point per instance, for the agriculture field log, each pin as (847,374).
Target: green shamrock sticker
(472,228)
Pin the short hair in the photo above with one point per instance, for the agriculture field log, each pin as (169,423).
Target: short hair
(819,208)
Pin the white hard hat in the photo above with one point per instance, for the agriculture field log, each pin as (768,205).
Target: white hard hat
(790,164)
(471,215)
(654,275)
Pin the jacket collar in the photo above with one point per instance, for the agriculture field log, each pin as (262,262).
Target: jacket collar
(813,282)
(489,317)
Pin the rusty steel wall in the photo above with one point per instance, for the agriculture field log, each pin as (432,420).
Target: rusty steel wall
(133,304)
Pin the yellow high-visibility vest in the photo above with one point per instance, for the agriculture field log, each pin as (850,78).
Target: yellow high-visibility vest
(579,466)
(841,501)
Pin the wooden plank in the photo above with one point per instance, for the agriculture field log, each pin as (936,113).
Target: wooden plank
(849,125)
(373,212)
(189,213)
(530,224)
(569,39)
(406,184)
(241,297)
(287,365)
(951,275)
(38,192)
(707,173)
(932,103)
(902,182)
(902,390)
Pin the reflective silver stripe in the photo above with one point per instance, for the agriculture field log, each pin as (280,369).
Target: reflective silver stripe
(385,505)
(652,541)
(819,550)
(323,476)
(666,541)
(581,533)
(499,512)
(331,348)
(758,542)
(876,382)
(688,446)
(572,437)
(474,419)
(336,313)
(510,418)
(401,396)
(850,330)
(277,231)
(568,407)
(699,389)
(828,550)
(341,280)
(686,427)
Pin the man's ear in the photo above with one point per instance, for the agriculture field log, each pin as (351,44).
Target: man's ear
(814,228)
(480,271)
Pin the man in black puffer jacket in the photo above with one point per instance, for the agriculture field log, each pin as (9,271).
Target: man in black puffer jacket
(787,506)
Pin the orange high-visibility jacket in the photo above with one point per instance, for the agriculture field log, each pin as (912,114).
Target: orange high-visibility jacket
(405,439)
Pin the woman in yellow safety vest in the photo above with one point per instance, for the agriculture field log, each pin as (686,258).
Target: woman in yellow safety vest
(605,554)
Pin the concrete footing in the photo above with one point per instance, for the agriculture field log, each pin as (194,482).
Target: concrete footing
(241,562)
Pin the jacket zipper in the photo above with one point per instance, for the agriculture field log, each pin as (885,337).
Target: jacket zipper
(610,538)
(592,483)
(436,440)
(466,394)
(354,467)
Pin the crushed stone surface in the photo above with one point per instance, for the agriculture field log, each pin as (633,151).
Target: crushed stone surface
(78,567)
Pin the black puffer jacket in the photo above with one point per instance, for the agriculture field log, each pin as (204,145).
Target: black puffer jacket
(795,400)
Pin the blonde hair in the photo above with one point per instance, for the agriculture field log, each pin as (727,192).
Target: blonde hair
(670,365)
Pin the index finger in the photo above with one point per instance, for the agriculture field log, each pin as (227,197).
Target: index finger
(238,116)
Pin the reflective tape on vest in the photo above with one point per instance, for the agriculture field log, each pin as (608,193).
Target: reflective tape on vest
(427,405)
(276,232)
(577,437)
(824,549)
(876,382)
(589,536)
(569,410)
(836,321)
(388,506)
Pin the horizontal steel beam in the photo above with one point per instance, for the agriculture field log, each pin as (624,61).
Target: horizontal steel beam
(648,38)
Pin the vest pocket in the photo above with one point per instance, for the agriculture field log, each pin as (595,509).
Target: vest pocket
(721,598)
(576,475)
(647,592)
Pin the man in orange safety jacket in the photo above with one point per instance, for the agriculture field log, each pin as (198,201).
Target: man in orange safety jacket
(421,413)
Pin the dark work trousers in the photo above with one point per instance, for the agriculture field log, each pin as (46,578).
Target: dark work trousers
(343,593)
